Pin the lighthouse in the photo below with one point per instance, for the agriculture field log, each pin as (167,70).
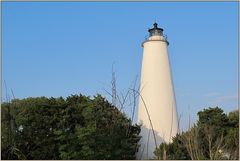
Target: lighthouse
(157,105)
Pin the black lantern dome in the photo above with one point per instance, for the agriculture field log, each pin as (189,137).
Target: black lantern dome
(155,31)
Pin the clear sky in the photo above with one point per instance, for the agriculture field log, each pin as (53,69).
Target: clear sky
(63,48)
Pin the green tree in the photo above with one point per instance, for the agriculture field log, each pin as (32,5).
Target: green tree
(212,124)
(173,151)
(104,133)
(232,137)
(34,124)
(77,127)
(214,136)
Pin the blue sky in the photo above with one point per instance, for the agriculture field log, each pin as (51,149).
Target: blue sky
(63,48)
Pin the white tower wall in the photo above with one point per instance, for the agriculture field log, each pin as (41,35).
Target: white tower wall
(157,93)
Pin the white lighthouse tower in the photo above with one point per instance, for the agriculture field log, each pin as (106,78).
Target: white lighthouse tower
(157,106)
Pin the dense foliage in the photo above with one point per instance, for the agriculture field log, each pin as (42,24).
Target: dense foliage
(79,127)
(73,128)
(214,136)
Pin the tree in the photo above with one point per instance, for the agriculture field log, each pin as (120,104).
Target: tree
(214,136)
(212,124)
(232,137)
(173,151)
(34,122)
(73,128)
(105,132)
